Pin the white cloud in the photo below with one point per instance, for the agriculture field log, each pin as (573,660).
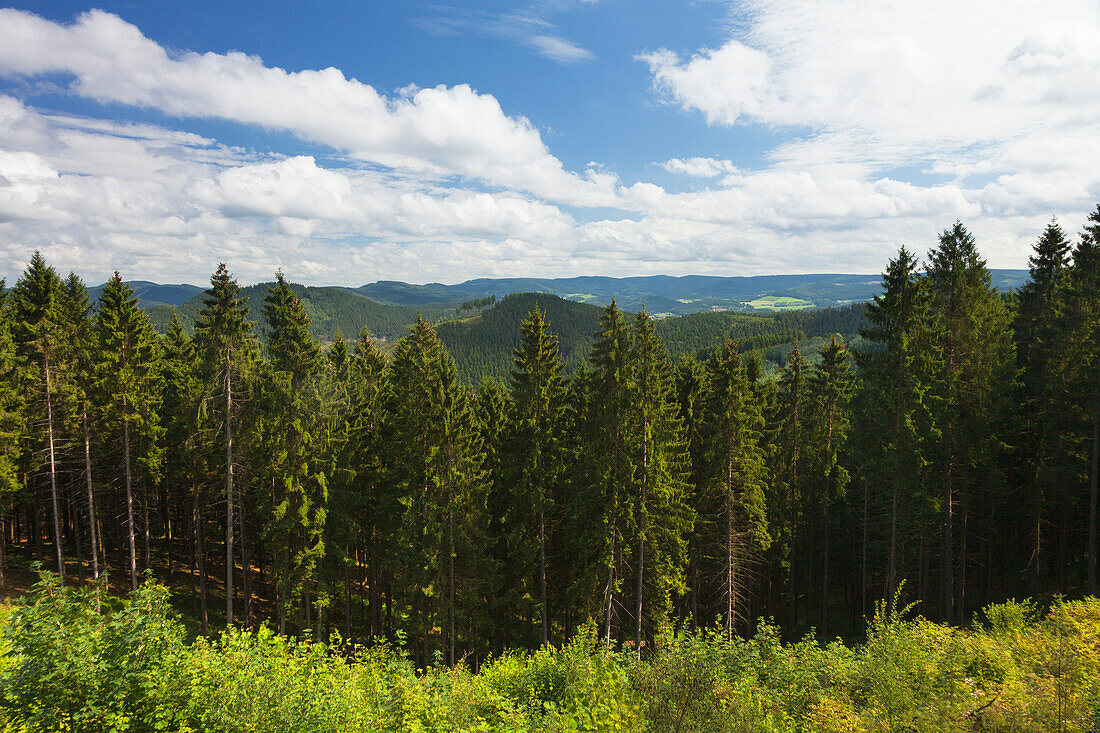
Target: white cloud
(526,26)
(444,130)
(441,184)
(699,167)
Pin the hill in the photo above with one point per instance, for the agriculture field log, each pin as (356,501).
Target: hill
(329,308)
(150,294)
(482,345)
(664,295)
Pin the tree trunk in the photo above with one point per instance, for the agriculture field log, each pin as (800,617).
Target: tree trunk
(451,589)
(641,541)
(731,581)
(228,490)
(200,551)
(53,473)
(542,572)
(1093,509)
(91,495)
(948,558)
(129,501)
(609,592)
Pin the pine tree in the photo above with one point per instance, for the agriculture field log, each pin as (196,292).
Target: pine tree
(896,382)
(36,331)
(79,333)
(182,414)
(11,418)
(662,517)
(375,502)
(435,464)
(1080,367)
(735,480)
(608,462)
(224,340)
(790,500)
(289,428)
(128,376)
(534,458)
(830,392)
(972,325)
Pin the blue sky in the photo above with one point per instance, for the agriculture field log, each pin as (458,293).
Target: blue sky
(349,142)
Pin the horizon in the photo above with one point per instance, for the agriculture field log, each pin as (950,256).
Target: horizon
(420,142)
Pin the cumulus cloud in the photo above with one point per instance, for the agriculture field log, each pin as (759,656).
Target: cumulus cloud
(901,126)
(443,130)
(699,167)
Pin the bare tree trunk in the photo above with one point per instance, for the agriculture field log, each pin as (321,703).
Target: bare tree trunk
(91,496)
(53,473)
(347,599)
(731,580)
(542,571)
(1093,509)
(641,542)
(76,540)
(609,592)
(246,566)
(145,528)
(451,589)
(864,580)
(129,501)
(948,558)
(3,542)
(200,552)
(228,490)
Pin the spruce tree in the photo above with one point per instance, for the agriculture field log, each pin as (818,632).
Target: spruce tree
(1080,368)
(534,458)
(736,477)
(11,419)
(129,380)
(182,416)
(289,428)
(436,459)
(830,392)
(224,340)
(897,375)
(661,514)
(36,332)
(79,333)
(608,462)
(972,327)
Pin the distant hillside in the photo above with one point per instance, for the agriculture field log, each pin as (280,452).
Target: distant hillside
(664,295)
(483,344)
(150,294)
(329,308)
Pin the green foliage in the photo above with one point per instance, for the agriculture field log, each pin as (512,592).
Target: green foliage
(70,662)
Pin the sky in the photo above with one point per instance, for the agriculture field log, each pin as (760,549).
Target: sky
(348,142)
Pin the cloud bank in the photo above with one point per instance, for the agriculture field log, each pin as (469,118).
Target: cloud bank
(893,126)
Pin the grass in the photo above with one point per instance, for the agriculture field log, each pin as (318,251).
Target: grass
(779,303)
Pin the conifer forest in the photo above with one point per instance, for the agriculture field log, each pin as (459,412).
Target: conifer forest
(238,527)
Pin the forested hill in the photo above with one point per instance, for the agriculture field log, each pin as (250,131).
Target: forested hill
(482,345)
(329,309)
(666,295)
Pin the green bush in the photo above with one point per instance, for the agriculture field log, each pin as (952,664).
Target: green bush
(71,663)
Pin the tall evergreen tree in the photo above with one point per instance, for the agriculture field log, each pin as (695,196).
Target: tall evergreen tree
(736,480)
(435,464)
(36,328)
(896,381)
(130,382)
(973,330)
(608,462)
(12,424)
(224,339)
(289,428)
(830,392)
(534,457)
(662,517)
(79,333)
(1080,367)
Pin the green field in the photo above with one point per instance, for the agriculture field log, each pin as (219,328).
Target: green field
(779,303)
